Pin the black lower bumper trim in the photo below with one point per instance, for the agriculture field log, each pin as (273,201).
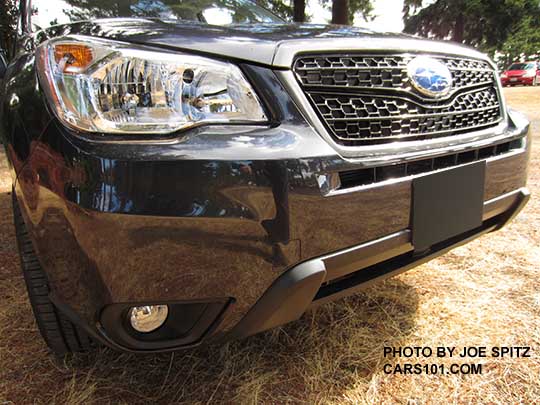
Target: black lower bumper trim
(307,285)
(364,277)
(285,301)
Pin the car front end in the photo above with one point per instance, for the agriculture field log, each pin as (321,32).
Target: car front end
(515,79)
(525,74)
(348,169)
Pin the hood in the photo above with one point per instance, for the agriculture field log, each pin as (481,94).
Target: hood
(266,44)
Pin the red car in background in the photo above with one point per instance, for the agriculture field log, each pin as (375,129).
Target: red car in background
(527,73)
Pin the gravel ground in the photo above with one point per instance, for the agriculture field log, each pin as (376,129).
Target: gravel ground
(486,293)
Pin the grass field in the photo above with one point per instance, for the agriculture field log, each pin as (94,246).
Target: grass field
(484,294)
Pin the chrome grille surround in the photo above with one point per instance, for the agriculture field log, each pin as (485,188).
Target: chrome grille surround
(367,99)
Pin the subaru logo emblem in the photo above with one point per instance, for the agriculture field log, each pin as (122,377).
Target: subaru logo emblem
(429,76)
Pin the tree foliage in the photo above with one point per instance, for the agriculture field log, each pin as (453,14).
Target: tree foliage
(283,9)
(485,24)
(344,11)
(8,23)
(523,42)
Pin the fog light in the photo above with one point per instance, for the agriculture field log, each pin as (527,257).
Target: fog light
(148,318)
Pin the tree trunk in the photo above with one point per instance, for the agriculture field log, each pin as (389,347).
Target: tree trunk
(340,12)
(299,13)
(459,28)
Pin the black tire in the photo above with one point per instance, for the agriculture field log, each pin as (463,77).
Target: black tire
(59,333)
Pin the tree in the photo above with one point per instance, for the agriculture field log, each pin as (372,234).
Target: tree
(340,12)
(8,24)
(299,10)
(344,11)
(485,24)
(279,7)
(362,7)
(446,19)
(523,41)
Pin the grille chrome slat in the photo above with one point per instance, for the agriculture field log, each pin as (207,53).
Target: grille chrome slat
(376,103)
(367,88)
(413,136)
(302,69)
(410,116)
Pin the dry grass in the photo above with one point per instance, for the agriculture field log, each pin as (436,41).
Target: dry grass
(486,293)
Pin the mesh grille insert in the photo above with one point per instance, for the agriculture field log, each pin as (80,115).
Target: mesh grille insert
(368,99)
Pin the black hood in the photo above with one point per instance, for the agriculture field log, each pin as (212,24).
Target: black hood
(249,42)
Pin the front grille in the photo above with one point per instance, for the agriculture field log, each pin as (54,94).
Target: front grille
(368,99)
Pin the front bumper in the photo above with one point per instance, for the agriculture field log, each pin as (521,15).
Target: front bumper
(513,81)
(320,280)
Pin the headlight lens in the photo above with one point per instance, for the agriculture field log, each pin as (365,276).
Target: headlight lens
(530,73)
(108,87)
(504,76)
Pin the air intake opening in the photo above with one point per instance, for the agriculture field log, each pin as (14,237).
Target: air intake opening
(364,177)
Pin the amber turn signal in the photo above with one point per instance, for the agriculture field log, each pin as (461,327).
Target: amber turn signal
(73,58)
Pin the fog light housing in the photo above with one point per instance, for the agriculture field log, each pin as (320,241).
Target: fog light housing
(148,318)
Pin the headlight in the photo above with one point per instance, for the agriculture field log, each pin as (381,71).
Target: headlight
(530,73)
(504,76)
(109,87)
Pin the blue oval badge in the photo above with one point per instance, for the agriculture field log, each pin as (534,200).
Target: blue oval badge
(429,76)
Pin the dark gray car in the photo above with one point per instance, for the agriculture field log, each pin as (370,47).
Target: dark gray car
(194,171)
